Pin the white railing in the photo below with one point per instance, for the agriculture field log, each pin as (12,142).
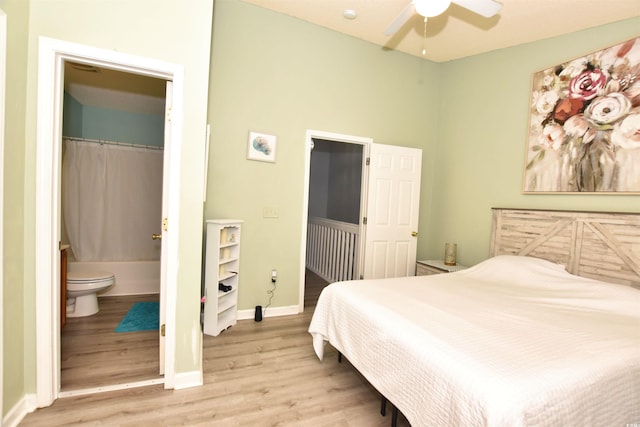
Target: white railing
(332,249)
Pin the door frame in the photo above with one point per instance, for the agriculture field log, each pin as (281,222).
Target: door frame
(337,137)
(3,69)
(51,57)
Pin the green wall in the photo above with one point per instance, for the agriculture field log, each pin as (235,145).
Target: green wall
(15,346)
(165,31)
(484,125)
(281,75)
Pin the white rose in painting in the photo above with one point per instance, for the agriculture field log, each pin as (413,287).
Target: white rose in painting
(545,101)
(606,110)
(574,67)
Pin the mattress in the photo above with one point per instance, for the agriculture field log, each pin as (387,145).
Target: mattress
(512,341)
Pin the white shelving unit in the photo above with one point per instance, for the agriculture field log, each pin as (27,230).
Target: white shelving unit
(222,264)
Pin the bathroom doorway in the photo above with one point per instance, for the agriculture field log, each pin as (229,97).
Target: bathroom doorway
(111,192)
(51,57)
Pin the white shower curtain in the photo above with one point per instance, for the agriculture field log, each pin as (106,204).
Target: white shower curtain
(112,201)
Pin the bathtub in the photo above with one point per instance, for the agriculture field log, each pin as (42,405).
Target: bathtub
(132,277)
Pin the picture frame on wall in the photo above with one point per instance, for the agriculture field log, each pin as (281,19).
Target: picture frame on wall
(584,124)
(261,147)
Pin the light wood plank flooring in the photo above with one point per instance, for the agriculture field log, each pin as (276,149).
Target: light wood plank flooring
(93,355)
(255,374)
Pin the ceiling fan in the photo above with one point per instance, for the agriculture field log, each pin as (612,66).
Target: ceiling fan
(431,8)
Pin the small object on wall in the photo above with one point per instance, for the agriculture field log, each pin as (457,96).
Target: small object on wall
(258,315)
(262,147)
(450,250)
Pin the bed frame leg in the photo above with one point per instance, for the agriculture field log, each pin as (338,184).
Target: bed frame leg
(383,406)
(394,417)
(339,357)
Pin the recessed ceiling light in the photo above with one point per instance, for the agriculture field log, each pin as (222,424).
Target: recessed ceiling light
(349,14)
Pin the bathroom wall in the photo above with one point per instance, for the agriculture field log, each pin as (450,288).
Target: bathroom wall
(85,121)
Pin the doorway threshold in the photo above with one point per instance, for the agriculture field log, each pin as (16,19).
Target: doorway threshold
(115,387)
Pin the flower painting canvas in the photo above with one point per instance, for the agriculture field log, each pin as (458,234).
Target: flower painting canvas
(584,128)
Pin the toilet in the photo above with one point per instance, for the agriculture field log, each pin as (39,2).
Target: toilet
(82,291)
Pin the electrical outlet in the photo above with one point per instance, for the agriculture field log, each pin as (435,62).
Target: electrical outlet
(274,275)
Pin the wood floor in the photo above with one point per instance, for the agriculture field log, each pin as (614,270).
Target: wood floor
(255,374)
(94,355)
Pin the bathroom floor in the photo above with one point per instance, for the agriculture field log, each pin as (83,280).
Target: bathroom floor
(93,355)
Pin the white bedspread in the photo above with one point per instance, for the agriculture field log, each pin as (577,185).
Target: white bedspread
(512,341)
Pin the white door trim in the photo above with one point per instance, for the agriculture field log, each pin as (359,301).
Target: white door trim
(311,134)
(51,57)
(3,69)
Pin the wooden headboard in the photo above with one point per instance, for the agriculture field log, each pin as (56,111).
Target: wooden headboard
(598,245)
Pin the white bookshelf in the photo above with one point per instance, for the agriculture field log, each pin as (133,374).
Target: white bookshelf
(222,265)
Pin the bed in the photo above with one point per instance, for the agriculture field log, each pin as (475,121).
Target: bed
(516,340)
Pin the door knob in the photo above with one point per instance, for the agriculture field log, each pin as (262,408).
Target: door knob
(414,233)
(156,236)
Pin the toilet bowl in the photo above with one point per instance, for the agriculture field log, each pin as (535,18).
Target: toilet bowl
(82,291)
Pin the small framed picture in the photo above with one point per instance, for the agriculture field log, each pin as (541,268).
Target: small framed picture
(261,147)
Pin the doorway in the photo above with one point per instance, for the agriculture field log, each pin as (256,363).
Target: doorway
(389,209)
(346,150)
(111,192)
(52,56)
(335,187)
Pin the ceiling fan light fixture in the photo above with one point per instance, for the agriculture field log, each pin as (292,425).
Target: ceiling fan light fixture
(430,8)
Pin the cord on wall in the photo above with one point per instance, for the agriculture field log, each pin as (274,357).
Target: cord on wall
(270,292)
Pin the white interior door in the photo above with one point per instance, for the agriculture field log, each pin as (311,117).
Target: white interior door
(163,225)
(393,203)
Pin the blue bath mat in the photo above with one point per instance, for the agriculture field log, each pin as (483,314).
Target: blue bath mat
(143,316)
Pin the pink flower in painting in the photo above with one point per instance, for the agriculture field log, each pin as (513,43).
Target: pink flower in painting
(627,133)
(552,135)
(579,127)
(587,84)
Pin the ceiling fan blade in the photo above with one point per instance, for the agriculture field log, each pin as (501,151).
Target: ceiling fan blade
(400,20)
(486,8)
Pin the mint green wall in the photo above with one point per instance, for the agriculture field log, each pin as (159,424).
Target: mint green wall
(71,117)
(123,126)
(281,75)
(85,121)
(167,27)
(484,110)
(15,346)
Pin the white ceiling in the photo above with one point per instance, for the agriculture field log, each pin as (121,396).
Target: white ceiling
(115,90)
(455,34)
(458,32)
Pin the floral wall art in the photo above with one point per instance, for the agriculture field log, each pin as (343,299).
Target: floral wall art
(584,129)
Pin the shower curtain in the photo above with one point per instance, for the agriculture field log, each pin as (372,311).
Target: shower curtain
(112,200)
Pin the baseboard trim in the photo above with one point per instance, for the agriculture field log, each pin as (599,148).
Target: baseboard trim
(187,380)
(103,389)
(20,410)
(269,312)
